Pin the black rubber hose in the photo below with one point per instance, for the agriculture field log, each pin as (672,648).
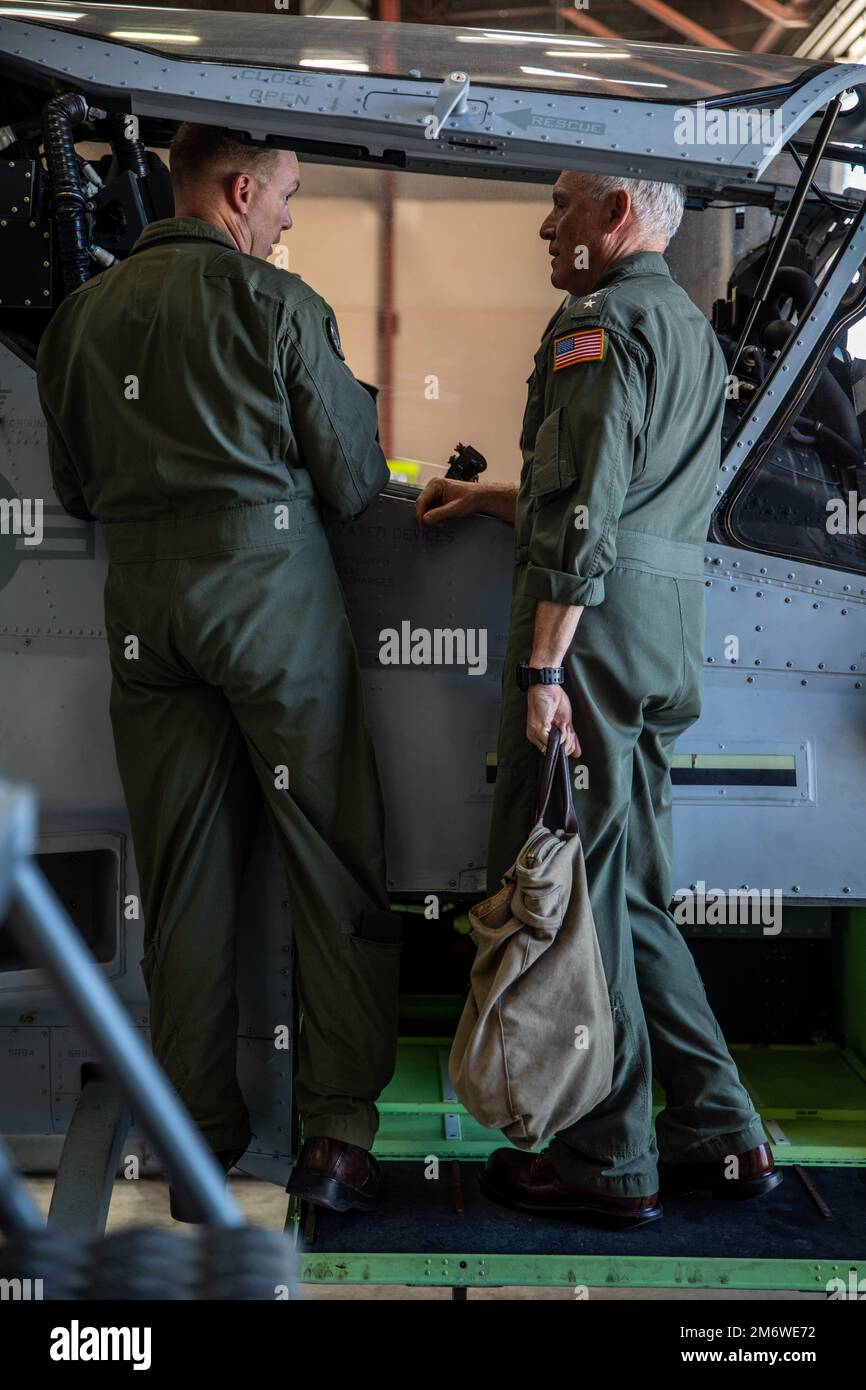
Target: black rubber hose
(68,199)
(130,154)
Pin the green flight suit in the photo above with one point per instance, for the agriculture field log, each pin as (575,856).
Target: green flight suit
(199,407)
(623,420)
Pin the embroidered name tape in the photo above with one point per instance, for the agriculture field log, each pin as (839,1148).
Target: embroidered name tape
(587,346)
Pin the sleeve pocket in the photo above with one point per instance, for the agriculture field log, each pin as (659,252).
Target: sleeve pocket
(552,464)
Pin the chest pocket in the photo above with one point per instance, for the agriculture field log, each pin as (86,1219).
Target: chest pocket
(553,469)
(532,417)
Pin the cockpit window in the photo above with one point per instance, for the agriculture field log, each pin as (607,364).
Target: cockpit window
(804,497)
(800,504)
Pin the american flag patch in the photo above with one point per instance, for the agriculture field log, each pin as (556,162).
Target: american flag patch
(587,346)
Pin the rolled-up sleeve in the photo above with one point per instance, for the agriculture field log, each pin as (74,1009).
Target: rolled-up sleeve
(587,452)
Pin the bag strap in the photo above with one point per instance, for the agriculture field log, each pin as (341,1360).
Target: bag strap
(555,762)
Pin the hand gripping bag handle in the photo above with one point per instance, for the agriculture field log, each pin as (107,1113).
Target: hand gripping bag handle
(555,762)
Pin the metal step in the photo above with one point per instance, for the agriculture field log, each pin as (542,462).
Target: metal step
(444,1231)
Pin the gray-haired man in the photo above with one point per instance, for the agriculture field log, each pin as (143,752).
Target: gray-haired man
(621,442)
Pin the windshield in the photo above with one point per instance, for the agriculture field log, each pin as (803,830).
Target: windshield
(558,63)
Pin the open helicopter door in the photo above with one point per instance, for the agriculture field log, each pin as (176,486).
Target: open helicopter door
(436,99)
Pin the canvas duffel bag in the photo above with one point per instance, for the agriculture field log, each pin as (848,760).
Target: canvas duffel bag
(534,1048)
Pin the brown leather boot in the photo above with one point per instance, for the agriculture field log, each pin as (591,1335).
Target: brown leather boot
(334,1174)
(181,1208)
(757,1175)
(529,1182)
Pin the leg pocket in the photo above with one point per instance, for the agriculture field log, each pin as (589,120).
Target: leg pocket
(377,928)
(629,1054)
(619,1129)
(367,984)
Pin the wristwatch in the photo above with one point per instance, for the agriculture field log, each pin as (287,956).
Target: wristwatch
(539,675)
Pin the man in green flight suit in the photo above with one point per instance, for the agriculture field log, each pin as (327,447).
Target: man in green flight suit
(200,408)
(621,442)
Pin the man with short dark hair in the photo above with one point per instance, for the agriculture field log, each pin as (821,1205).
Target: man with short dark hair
(199,407)
(202,159)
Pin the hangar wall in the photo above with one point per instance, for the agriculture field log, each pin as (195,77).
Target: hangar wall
(472,295)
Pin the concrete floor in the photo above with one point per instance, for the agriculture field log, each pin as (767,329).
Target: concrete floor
(145,1203)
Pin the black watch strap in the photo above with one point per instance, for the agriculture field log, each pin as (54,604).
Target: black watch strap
(539,675)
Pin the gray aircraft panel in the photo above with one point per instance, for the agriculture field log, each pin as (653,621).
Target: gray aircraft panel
(77,845)
(25,1070)
(52,670)
(462,580)
(64,592)
(67,829)
(49,684)
(804,845)
(798,688)
(438,804)
(71,1050)
(504,131)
